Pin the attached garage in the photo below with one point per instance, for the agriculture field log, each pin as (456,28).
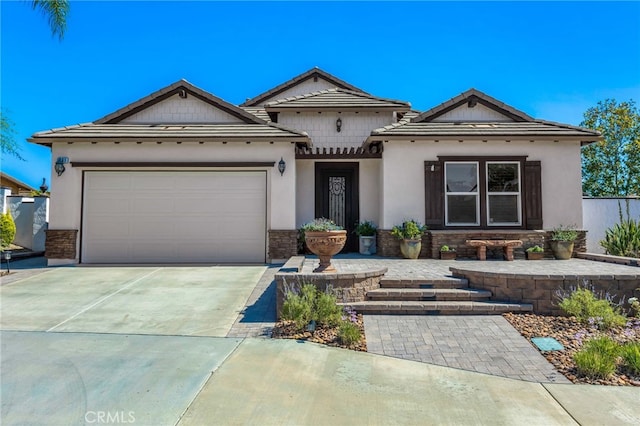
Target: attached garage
(174,217)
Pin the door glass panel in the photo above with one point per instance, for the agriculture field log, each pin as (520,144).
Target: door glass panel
(337,198)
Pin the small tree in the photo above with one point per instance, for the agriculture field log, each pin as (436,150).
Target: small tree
(7,230)
(612,167)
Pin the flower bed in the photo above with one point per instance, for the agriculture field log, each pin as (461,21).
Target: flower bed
(572,334)
(322,334)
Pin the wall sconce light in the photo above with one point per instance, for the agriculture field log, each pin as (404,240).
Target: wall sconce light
(59,167)
(338,124)
(281,166)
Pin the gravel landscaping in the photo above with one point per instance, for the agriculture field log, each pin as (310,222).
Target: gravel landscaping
(324,335)
(572,335)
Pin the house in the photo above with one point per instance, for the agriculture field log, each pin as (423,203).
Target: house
(14,185)
(184,176)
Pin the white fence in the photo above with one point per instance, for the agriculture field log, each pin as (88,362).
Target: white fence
(600,214)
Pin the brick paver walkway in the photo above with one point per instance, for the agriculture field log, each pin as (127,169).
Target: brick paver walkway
(484,343)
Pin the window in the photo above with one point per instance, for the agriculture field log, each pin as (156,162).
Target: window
(503,194)
(461,194)
(482,193)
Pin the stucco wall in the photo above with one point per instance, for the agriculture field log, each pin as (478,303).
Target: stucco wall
(368,180)
(403,170)
(600,214)
(321,127)
(181,110)
(66,190)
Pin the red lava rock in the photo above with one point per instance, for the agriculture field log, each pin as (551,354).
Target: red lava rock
(572,334)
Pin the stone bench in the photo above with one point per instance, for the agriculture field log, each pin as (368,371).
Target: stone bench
(481,247)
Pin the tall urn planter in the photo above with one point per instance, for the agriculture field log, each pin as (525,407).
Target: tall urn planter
(562,239)
(325,239)
(410,236)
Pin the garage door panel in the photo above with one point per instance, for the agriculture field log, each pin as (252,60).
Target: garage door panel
(174,216)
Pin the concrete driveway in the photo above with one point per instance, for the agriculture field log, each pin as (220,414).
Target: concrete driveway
(177,301)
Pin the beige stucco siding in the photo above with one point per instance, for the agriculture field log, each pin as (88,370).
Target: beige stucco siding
(66,190)
(369,190)
(181,110)
(403,193)
(322,130)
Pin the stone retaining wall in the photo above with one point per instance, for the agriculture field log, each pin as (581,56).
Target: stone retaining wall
(542,291)
(348,287)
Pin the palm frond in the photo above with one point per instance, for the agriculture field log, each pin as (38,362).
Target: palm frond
(56,13)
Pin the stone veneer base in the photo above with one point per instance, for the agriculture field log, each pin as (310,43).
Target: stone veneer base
(282,244)
(61,243)
(348,287)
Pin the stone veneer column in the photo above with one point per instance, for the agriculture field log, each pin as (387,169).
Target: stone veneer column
(61,244)
(283,244)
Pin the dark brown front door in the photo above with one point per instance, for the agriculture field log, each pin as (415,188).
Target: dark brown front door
(337,197)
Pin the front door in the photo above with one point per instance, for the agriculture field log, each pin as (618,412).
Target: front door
(337,197)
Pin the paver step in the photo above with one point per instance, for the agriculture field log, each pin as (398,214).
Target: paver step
(438,307)
(425,294)
(424,283)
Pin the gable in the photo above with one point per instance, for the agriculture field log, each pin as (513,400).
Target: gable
(184,110)
(310,81)
(478,112)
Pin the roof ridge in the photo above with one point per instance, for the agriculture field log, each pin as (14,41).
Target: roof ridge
(568,126)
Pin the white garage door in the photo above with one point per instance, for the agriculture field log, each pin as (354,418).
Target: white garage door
(173,217)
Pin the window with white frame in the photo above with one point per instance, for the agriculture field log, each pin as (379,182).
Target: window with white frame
(483,193)
(503,193)
(462,196)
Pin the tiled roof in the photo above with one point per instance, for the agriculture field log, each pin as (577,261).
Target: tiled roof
(474,96)
(334,99)
(312,73)
(16,181)
(258,112)
(169,133)
(452,130)
(171,90)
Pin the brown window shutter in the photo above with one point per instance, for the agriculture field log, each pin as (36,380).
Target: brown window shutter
(434,194)
(533,194)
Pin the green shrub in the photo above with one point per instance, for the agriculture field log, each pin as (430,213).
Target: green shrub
(597,358)
(365,229)
(349,333)
(535,249)
(630,353)
(322,224)
(309,304)
(623,239)
(409,230)
(588,309)
(326,312)
(7,229)
(564,233)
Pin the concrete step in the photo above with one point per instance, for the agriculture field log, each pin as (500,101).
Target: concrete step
(437,307)
(425,294)
(424,283)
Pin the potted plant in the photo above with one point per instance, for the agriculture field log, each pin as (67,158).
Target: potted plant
(535,253)
(447,253)
(562,239)
(410,236)
(324,238)
(366,231)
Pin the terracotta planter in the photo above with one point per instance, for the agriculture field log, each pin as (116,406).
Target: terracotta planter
(562,250)
(448,255)
(325,244)
(535,255)
(411,248)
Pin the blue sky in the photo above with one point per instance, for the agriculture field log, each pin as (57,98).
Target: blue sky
(551,60)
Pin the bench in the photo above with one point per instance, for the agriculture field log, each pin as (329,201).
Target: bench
(481,247)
